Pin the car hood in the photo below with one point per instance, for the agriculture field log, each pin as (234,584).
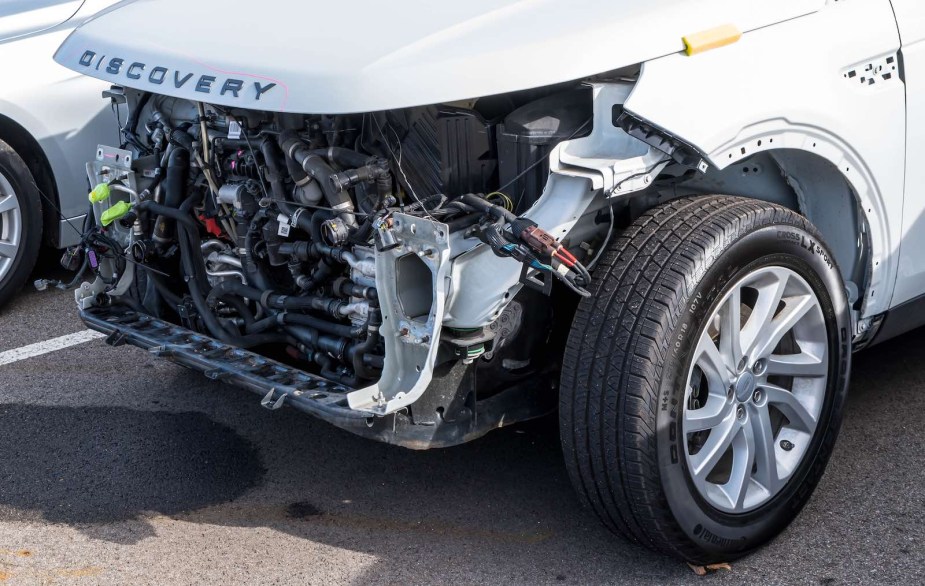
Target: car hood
(340,57)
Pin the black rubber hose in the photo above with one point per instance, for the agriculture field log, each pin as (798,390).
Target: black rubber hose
(297,173)
(317,167)
(241,307)
(358,351)
(341,330)
(488,207)
(163,290)
(344,157)
(271,158)
(272,300)
(463,221)
(212,324)
(252,269)
(194,265)
(175,184)
(298,319)
(163,210)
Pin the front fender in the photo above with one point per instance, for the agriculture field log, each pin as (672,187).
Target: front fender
(775,89)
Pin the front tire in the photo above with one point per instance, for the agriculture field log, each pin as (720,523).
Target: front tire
(20,222)
(704,380)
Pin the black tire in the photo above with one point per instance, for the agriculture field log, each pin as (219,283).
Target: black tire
(628,356)
(15,171)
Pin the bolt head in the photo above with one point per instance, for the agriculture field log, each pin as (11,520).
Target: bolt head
(756,397)
(760,366)
(740,412)
(743,364)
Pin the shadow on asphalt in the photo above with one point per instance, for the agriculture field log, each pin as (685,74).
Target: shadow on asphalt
(92,465)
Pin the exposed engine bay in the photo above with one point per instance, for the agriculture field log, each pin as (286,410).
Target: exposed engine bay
(383,254)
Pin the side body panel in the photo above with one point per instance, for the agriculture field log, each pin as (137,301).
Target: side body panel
(19,18)
(910,282)
(62,110)
(798,85)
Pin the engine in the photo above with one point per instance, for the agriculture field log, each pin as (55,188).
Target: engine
(271,231)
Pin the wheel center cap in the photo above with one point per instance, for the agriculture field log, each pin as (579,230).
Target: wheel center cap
(745,386)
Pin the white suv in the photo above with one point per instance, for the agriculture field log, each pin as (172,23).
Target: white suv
(672,221)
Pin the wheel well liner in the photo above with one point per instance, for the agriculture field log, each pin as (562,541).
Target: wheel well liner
(809,185)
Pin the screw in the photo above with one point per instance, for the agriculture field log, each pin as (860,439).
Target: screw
(740,412)
(785,445)
(757,396)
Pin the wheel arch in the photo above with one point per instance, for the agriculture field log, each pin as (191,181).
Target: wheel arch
(29,149)
(822,188)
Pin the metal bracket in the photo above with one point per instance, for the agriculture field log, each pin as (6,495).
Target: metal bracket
(411,322)
(268,403)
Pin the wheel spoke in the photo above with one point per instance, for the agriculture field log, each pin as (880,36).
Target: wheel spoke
(713,364)
(743,458)
(8,203)
(765,454)
(772,333)
(770,294)
(707,417)
(798,365)
(8,250)
(788,404)
(704,461)
(730,343)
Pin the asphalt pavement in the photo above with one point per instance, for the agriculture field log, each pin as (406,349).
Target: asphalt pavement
(119,468)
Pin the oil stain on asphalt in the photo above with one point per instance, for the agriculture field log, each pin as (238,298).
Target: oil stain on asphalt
(91,466)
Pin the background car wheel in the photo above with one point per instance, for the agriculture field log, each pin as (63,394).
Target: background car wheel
(20,222)
(703,382)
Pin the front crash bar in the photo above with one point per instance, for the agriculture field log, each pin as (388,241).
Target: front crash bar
(278,384)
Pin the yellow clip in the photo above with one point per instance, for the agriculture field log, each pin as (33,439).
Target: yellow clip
(118,210)
(100,193)
(713,38)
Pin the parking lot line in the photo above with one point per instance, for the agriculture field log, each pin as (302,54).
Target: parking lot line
(52,345)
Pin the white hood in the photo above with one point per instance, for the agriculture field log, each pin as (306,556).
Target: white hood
(343,56)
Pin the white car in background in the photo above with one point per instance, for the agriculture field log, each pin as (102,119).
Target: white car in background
(49,117)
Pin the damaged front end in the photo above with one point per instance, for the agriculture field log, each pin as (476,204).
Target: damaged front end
(404,275)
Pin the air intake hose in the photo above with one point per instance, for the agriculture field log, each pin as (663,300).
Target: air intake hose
(315,165)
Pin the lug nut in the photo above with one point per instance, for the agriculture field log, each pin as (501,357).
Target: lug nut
(759,366)
(743,363)
(756,397)
(740,412)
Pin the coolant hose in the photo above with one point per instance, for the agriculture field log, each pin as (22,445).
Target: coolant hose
(317,167)
(298,319)
(358,351)
(272,300)
(486,206)
(174,192)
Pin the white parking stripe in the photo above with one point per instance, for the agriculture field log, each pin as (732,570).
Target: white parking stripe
(39,348)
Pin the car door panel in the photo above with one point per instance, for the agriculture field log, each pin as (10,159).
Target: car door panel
(910,283)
